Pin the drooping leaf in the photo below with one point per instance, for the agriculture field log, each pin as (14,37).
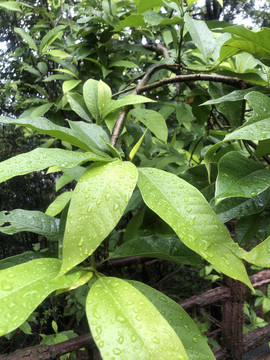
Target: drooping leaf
(59,203)
(259,255)
(78,106)
(37,222)
(201,35)
(30,41)
(138,330)
(97,205)
(92,135)
(240,177)
(46,126)
(153,120)
(42,158)
(236,207)
(97,96)
(187,212)
(25,286)
(235,95)
(255,43)
(136,146)
(167,248)
(194,343)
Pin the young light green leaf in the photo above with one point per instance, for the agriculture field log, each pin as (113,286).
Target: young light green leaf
(167,248)
(194,343)
(42,158)
(78,106)
(138,331)
(59,203)
(58,54)
(136,146)
(18,220)
(25,286)
(11,5)
(150,4)
(30,41)
(66,71)
(259,255)
(97,96)
(240,177)
(154,121)
(201,35)
(97,205)
(126,100)
(69,85)
(184,208)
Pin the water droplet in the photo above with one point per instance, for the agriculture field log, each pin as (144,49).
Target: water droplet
(117,351)
(98,202)
(156,340)
(121,319)
(138,317)
(133,338)
(107,196)
(115,207)
(89,209)
(121,340)
(100,344)
(195,339)
(187,328)
(185,199)
(6,286)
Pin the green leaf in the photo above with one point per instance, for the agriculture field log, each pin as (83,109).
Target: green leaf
(142,334)
(25,286)
(48,127)
(69,85)
(18,220)
(240,177)
(92,135)
(66,71)
(194,343)
(24,257)
(187,212)
(51,34)
(127,100)
(11,5)
(235,95)
(131,21)
(42,158)
(266,305)
(136,146)
(58,54)
(201,35)
(150,4)
(167,248)
(57,77)
(30,41)
(259,255)
(97,205)
(153,120)
(59,203)
(78,106)
(125,64)
(41,110)
(97,96)
(255,43)
(234,207)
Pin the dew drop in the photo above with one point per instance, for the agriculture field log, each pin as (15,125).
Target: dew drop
(117,351)
(121,319)
(138,317)
(195,339)
(115,207)
(98,202)
(121,340)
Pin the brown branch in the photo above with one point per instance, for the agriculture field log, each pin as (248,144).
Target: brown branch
(197,77)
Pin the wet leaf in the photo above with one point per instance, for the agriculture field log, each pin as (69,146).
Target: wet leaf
(194,343)
(59,203)
(260,254)
(239,176)
(167,248)
(12,222)
(42,158)
(136,330)
(187,212)
(25,286)
(97,205)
